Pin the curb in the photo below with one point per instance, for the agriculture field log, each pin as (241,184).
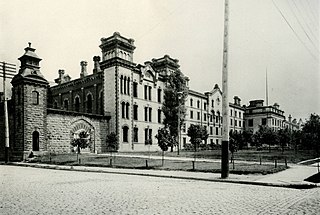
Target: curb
(110,171)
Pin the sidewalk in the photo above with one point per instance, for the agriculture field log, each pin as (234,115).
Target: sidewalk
(290,178)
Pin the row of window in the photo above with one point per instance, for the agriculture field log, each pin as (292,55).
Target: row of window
(275,122)
(235,113)
(235,122)
(125,134)
(147,112)
(125,89)
(205,116)
(204,104)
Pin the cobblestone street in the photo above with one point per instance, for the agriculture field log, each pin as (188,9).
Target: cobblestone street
(42,191)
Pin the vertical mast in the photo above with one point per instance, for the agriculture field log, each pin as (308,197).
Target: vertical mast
(267,102)
(225,105)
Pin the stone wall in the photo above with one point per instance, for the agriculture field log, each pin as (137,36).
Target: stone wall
(62,125)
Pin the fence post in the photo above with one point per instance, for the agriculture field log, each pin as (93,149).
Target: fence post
(285,162)
(111,162)
(260,160)
(233,163)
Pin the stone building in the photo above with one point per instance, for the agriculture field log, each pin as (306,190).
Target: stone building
(257,114)
(117,96)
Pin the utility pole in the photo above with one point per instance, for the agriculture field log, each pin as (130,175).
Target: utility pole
(7,69)
(225,103)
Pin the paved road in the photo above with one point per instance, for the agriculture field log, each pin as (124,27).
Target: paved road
(26,190)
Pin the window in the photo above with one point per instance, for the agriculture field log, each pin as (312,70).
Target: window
(146,114)
(217,131)
(212,103)
(198,104)
(125,85)
(230,121)
(89,103)
(35,98)
(55,105)
(65,104)
(145,92)
(123,110)
(35,141)
(150,92)
(235,122)
(159,116)
(147,134)
(125,134)
(191,102)
(204,117)
(150,114)
(198,115)
(264,121)
(211,130)
(159,95)
(135,89)
(235,113)
(121,84)
(230,112)
(250,122)
(239,114)
(191,114)
(239,123)
(211,118)
(205,106)
(135,112)
(135,134)
(127,110)
(128,90)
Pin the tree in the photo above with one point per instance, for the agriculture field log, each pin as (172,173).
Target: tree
(197,134)
(164,141)
(148,143)
(311,131)
(284,136)
(234,142)
(82,141)
(112,142)
(175,94)
(246,138)
(265,136)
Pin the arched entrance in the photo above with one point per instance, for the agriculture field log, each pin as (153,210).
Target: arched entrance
(35,141)
(83,126)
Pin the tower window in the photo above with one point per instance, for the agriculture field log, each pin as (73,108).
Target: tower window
(125,134)
(35,98)
(66,104)
(77,104)
(89,103)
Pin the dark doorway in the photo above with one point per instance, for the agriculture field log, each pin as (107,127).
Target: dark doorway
(35,141)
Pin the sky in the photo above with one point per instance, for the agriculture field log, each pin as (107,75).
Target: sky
(277,37)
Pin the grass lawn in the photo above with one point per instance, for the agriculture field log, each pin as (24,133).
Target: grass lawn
(245,155)
(140,163)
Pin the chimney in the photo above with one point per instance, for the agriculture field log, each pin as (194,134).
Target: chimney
(61,75)
(290,118)
(96,64)
(237,100)
(83,65)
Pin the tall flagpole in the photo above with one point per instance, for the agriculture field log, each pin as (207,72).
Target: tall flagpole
(267,102)
(225,105)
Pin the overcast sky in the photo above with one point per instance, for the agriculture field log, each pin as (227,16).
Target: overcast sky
(281,37)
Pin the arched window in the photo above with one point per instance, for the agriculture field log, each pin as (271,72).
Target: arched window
(127,110)
(35,141)
(121,83)
(135,134)
(125,85)
(123,111)
(65,104)
(89,103)
(77,104)
(125,134)
(55,105)
(128,86)
(35,98)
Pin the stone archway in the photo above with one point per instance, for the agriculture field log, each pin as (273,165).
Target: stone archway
(83,125)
